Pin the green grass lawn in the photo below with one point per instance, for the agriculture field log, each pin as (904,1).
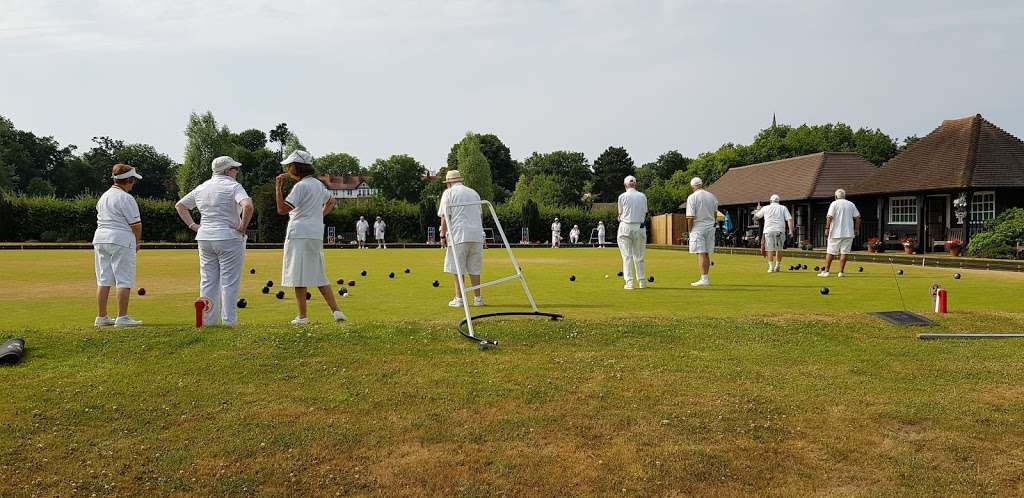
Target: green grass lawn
(757,385)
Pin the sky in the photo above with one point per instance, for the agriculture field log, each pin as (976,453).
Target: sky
(381,77)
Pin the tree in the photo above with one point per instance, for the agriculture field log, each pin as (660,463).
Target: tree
(398,177)
(158,170)
(544,190)
(205,141)
(279,135)
(570,168)
(665,196)
(259,167)
(292,144)
(40,187)
(251,139)
(339,163)
(873,145)
(907,142)
(504,170)
(610,168)
(25,156)
(668,163)
(474,167)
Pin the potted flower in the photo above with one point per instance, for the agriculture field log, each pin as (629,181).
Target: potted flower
(908,244)
(806,245)
(874,244)
(955,247)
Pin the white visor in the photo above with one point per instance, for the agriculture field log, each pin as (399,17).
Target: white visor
(127,174)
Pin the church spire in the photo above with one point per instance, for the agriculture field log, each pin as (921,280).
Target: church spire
(773,120)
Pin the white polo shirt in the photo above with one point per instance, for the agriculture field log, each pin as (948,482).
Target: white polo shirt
(842,212)
(702,206)
(362,226)
(556,227)
(775,217)
(116,212)
(306,219)
(218,201)
(465,223)
(632,206)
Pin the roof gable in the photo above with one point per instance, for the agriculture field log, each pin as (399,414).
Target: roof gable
(344,182)
(960,153)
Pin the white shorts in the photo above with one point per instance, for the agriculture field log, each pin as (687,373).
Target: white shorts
(360,237)
(702,241)
(303,264)
(774,241)
(838,246)
(378,236)
(471,258)
(115,265)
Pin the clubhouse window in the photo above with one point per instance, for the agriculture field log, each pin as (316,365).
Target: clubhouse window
(983,206)
(903,210)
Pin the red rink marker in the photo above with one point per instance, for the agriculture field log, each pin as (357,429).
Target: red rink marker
(202,305)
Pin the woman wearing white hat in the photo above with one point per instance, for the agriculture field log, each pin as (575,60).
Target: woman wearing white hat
(225,209)
(305,206)
(574,235)
(117,238)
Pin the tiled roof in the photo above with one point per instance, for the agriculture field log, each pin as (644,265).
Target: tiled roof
(814,176)
(965,152)
(343,182)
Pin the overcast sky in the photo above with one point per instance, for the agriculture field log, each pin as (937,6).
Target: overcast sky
(380,77)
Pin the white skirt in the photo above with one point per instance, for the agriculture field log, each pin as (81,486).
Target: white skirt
(303,264)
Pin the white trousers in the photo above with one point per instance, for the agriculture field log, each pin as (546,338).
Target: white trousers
(220,278)
(632,244)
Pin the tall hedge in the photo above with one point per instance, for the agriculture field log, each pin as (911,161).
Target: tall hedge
(26,218)
(49,219)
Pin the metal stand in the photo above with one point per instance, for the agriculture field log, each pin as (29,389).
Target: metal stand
(466,292)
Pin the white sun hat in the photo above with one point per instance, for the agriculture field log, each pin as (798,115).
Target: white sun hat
(299,156)
(224,163)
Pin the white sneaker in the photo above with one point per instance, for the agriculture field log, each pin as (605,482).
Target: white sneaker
(339,316)
(298,320)
(628,286)
(455,303)
(701,283)
(823,274)
(126,321)
(102,321)
(841,275)
(478,301)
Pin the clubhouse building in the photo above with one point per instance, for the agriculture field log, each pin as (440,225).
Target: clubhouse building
(943,187)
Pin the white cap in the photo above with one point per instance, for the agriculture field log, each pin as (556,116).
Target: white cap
(299,156)
(224,163)
(774,198)
(629,179)
(696,182)
(131,173)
